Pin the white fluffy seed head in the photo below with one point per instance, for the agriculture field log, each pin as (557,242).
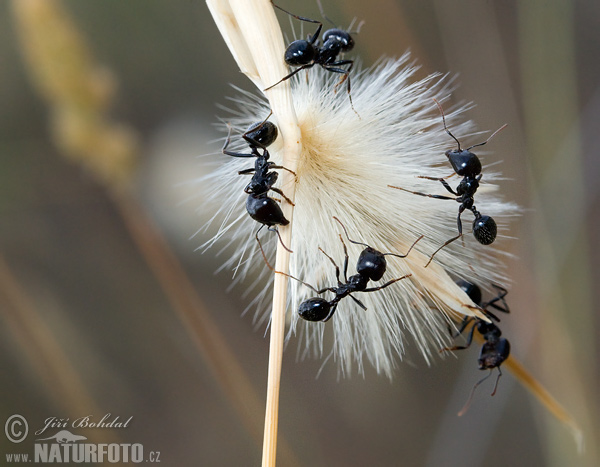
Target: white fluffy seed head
(347,163)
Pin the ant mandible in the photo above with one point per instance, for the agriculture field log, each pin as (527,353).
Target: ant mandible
(308,53)
(259,205)
(371,265)
(467,165)
(495,349)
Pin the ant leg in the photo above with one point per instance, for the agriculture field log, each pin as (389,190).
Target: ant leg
(422,194)
(497,379)
(339,63)
(469,339)
(226,145)
(314,289)
(283,168)
(297,70)
(277,190)
(463,325)
(273,229)
(346,78)
(468,403)
(358,302)
(375,289)
(337,269)
(503,292)
(331,312)
(246,171)
(444,182)
(445,244)
(459,222)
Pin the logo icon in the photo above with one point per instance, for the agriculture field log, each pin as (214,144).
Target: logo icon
(64,437)
(16,428)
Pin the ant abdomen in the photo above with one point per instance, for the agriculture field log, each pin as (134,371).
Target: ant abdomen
(314,309)
(265,210)
(485,230)
(493,354)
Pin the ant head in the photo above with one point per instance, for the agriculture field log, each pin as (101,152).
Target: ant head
(464,162)
(300,52)
(493,354)
(485,230)
(371,264)
(472,290)
(340,38)
(314,309)
(261,134)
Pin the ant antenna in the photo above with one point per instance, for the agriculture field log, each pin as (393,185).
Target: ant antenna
(347,236)
(360,25)
(252,140)
(228,139)
(446,128)
(486,141)
(265,120)
(368,246)
(404,256)
(301,18)
(470,399)
(323,13)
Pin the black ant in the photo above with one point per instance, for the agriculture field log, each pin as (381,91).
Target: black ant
(260,207)
(308,53)
(495,349)
(467,165)
(371,265)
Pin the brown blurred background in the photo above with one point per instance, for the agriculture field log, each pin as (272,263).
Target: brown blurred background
(81,309)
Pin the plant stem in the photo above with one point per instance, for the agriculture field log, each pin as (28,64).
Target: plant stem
(545,398)
(252,33)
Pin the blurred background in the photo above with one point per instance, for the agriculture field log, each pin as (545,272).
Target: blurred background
(96,316)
